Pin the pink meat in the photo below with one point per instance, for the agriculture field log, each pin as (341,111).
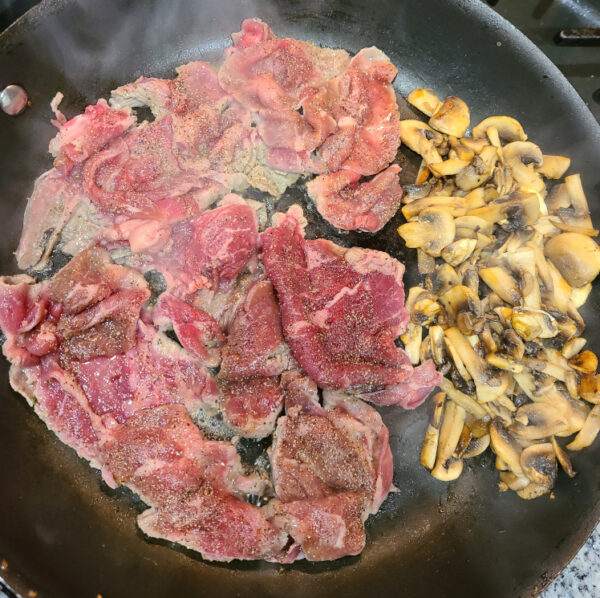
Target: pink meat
(255,345)
(198,332)
(212,248)
(342,309)
(251,406)
(253,32)
(87,133)
(279,73)
(326,528)
(350,205)
(319,458)
(189,483)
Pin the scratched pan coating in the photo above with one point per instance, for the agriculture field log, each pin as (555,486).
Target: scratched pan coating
(65,534)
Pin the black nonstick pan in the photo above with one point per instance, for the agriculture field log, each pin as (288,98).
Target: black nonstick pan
(63,533)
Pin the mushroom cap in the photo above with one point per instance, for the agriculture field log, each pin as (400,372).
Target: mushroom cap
(539,464)
(576,256)
(432,231)
(452,117)
(509,128)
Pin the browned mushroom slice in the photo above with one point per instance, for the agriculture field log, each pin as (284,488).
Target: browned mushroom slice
(430,444)
(452,117)
(533,323)
(431,231)
(506,446)
(521,157)
(424,100)
(476,447)
(572,347)
(412,342)
(425,262)
(436,344)
(446,467)
(579,213)
(465,401)
(535,421)
(422,139)
(457,252)
(538,463)
(455,206)
(533,491)
(522,262)
(460,298)
(588,432)
(576,256)
(585,362)
(518,213)
(443,279)
(502,283)
(589,388)
(563,458)
(479,170)
(508,128)
(508,480)
(554,167)
(580,295)
(489,384)
(504,363)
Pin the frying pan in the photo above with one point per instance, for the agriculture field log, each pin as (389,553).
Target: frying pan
(64,533)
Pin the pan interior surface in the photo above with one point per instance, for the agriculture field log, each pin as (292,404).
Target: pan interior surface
(64,533)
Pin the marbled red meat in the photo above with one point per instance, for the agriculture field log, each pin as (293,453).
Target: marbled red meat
(251,406)
(279,73)
(198,332)
(255,345)
(342,309)
(351,205)
(87,133)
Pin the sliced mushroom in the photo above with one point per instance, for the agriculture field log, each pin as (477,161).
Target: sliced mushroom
(576,256)
(506,446)
(533,491)
(436,341)
(430,445)
(422,139)
(449,167)
(476,145)
(585,362)
(554,167)
(502,283)
(588,432)
(535,421)
(424,100)
(518,213)
(446,468)
(479,171)
(559,291)
(455,206)
(473,223)
(465,401)
(579,295)
(431,231)
(452,117)
(563,458)
(504,363)
(489,384)
(422,174)
(460,298)
(425,262)
(412,342)
(476,447)
(538,463)
(533,323)
(508,480)
(508,128)
(458,251)
(443,279)
(521,157)
(580,214)
(572,347)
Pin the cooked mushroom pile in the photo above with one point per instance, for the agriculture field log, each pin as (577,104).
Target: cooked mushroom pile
(507,264)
